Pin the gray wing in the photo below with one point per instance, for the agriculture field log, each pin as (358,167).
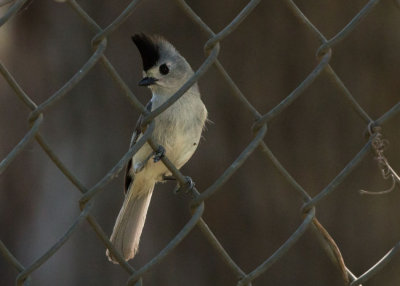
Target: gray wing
(136,133)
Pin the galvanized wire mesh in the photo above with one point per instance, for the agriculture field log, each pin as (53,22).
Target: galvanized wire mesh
(259,129)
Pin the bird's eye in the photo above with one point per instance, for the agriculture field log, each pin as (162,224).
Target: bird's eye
(164,69)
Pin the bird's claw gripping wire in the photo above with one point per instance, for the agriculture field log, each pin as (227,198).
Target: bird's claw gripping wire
(188,186)
(157,157)
(159,154)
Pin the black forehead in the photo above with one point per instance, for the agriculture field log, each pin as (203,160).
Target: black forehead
(148,48)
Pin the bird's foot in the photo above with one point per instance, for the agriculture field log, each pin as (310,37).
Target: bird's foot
(159,154)
(188,186)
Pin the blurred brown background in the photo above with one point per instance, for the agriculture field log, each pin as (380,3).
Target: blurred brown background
(257,210)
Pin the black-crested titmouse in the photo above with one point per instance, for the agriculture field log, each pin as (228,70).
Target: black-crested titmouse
(178,129)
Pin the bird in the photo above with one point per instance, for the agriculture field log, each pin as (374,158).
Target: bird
(177,130)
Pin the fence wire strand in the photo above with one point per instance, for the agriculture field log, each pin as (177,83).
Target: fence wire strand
(211,49)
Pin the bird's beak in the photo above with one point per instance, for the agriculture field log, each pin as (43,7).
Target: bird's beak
(146,81)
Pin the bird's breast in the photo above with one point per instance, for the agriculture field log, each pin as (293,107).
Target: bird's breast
(178,129)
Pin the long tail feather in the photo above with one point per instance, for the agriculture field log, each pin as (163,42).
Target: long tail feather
(130,220)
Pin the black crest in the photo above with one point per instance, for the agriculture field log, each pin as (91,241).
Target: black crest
(148,48)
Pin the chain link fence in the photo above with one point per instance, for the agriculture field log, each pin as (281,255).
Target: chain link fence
(375,143)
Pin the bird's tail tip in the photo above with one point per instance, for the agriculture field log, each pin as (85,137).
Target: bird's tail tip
(130,221)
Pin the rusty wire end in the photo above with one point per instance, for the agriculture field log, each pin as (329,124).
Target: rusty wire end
(379,145)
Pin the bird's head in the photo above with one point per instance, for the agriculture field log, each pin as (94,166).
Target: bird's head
(164,69)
